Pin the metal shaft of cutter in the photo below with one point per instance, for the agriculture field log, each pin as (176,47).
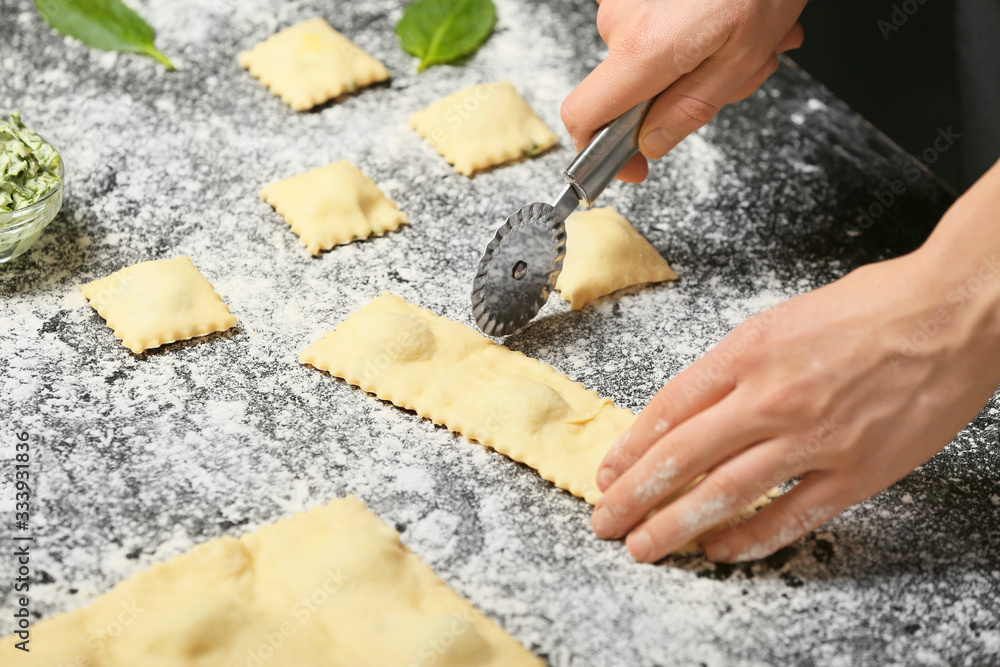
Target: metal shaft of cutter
(566,202)
(610,150)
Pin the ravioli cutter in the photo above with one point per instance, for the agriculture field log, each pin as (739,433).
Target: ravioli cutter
(518,271)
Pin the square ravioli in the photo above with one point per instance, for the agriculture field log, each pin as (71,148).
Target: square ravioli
(604,254)
(157,302)
(483,126)
(332,205)
(311,63)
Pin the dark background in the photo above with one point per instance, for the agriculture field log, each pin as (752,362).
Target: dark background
(941,68)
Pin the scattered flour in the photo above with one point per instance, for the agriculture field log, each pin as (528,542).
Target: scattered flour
(657,483)
(140,458)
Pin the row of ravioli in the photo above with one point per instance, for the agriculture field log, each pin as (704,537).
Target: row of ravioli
(473,129)
(162,301)
(156,302)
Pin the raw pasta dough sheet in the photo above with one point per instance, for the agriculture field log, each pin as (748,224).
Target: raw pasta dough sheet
(332,587)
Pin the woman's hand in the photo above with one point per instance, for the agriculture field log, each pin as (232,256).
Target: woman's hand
(703,53)
(849,388)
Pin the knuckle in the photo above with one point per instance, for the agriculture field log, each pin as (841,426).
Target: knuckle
(751,329)
(694,110)
(679,444)
(723,484)
(741,348)
(569,112)
(640,39)
(605,21)
(610,17)
(632,48)
(692,45)
(749,358)
(685,56)
(662,403)
(566,113)
(779,401)
(622,458)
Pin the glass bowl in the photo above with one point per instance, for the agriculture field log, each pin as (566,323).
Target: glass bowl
(20,229)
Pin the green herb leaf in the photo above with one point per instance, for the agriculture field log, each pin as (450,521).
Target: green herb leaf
(443,31)
(102,24)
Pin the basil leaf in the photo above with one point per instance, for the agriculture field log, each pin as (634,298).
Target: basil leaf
(102,24)
(443,31)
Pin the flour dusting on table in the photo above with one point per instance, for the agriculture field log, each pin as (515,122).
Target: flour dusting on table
(137,459)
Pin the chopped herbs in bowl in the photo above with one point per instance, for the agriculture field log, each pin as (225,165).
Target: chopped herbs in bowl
(29,167)
(31,174)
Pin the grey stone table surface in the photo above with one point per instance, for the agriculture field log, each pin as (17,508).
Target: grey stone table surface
(135,459)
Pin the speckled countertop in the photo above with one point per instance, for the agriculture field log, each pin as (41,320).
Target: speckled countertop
(137,459)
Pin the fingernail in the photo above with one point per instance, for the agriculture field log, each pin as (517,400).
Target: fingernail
(639,545)
(717,551)
(655,144)
(606,477)
(603,523)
